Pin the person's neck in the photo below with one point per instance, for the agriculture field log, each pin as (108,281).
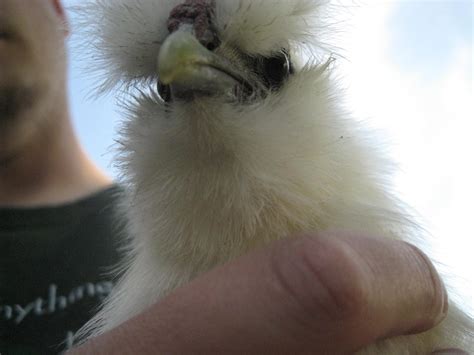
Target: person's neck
(52,170)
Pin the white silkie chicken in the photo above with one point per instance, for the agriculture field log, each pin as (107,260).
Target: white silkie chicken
(239,141)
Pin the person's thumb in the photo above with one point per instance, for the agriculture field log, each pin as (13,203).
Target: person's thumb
(345,291)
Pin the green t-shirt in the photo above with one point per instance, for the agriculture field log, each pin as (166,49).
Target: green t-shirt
(55,267)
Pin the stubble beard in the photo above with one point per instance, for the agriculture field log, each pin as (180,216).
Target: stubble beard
(15,104)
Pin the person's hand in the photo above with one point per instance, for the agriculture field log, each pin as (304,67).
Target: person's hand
(328,293)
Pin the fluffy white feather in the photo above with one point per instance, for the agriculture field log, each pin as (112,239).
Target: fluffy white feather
(208,180)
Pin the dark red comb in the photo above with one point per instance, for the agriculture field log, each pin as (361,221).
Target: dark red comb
(199,14)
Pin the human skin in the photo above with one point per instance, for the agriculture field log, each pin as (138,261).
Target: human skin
(328,293)
(41,161)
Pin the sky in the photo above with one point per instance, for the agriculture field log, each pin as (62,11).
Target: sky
(409,74)
(407,68)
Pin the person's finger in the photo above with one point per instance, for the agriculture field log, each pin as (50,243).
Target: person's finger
(450,352)
(330,293)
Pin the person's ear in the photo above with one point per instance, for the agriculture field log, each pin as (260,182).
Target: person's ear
(58,7)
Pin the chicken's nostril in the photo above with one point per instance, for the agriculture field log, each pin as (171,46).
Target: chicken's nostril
(208,39)
(211,46)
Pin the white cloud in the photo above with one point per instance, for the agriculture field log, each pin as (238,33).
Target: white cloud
(431,122)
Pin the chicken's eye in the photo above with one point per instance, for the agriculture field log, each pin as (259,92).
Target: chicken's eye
(276,70)
(164,91)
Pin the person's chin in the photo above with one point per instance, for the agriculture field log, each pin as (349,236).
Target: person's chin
(15,100)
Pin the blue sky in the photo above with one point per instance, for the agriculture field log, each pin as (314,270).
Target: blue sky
(409,73)
(423,34)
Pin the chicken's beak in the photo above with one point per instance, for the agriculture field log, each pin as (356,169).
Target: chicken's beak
(190,68)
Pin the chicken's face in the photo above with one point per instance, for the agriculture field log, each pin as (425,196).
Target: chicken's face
(190,67)
(194,61)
